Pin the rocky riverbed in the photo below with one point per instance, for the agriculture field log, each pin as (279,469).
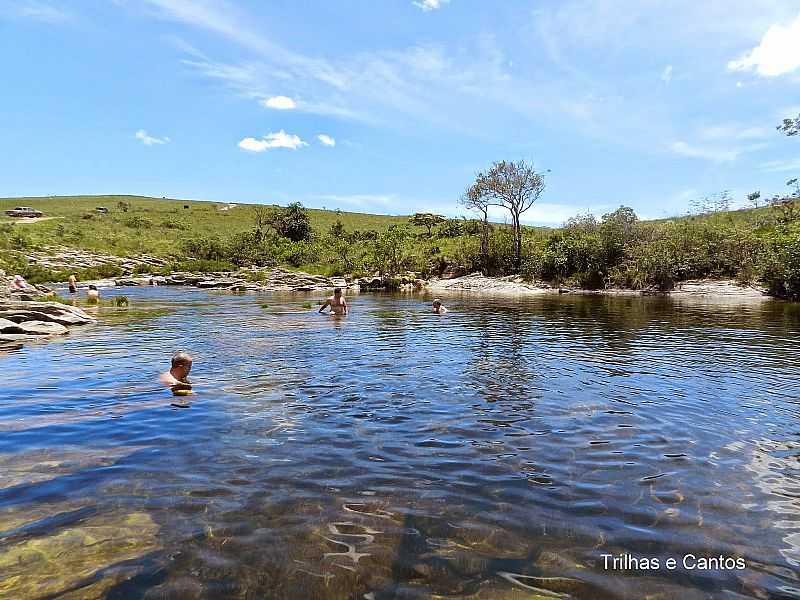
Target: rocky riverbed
(25,321)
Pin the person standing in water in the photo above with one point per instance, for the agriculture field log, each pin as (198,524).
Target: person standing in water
(73,284)
(177,377)
(438,308)
(93,294)
(336,303)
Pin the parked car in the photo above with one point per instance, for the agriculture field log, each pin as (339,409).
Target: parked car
(24,211)
(101,209)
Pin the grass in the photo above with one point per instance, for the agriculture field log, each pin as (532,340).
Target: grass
(153,226)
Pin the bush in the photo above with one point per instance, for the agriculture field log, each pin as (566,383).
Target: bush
(781,271)
(204,248)
(138,222)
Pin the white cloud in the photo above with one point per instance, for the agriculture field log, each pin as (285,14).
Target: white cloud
(777,54)
(429,5)
(281,139)
(149,140)
(779,166)
(39,11)
(279,103)
(666,74)
(326,140)
(733,131)
(707,153)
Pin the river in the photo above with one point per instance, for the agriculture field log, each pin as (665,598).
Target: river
(509,449)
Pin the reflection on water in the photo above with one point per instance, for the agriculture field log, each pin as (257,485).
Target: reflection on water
(497,452)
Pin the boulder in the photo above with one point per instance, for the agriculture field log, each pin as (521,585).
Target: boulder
(65,318)
(32,328)
(7,326)
(58,313)
(42,328)
(219,283)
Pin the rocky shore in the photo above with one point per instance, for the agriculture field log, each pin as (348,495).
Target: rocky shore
(64,259)
(515,285)
(265,279)
(25,321)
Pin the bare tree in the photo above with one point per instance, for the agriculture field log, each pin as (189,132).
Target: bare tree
(261,219)
(474,201)
(514,186)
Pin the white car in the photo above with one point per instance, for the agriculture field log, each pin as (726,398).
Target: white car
(24,211)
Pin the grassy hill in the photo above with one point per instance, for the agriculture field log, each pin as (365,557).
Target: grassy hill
(756,245)
(138,224)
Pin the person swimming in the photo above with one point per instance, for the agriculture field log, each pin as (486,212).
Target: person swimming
(93,294)
(177,377)
(336,303)
(438,308)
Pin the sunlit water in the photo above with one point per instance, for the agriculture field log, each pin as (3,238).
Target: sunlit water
(495,452)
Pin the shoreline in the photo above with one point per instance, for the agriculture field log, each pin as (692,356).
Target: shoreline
(282,280)
(515,286)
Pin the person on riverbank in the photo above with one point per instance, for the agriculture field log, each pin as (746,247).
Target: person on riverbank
(177,377)
(336,303)
(72,282)
(93,294)
(19,283)
(438,307)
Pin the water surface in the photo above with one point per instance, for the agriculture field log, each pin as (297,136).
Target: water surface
(494,452)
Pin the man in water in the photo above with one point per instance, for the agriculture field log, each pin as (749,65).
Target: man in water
(93,294)
(73,284)
(438,308)
(336,303)
(176,377)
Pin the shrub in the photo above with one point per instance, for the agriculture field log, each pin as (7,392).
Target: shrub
(138,222)
(781,271)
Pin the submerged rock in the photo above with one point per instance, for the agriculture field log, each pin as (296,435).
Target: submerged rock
(72,558)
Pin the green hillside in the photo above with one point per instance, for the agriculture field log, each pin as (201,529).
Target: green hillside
(154,225)
(760,245)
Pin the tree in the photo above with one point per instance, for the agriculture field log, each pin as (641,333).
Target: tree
(291,222)
(336,229)
(754,199)
(389,250)
(790,126)
(514,186)
(474,200)
(426,220)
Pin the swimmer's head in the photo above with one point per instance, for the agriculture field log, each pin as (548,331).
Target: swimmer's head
(182,361)
(92,286)
(337,291)
(437,303)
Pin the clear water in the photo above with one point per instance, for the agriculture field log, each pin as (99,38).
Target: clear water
(495,452)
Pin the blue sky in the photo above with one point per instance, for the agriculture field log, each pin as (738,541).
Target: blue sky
(391,106)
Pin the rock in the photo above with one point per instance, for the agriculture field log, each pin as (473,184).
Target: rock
(33,315)
(129,281)
(41,328)
(219,283)
(65,312)
(7,326)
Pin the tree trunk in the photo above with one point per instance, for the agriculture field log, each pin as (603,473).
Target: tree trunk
(517,244)
(485,244)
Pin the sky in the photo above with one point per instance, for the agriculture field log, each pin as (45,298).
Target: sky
(392,106)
